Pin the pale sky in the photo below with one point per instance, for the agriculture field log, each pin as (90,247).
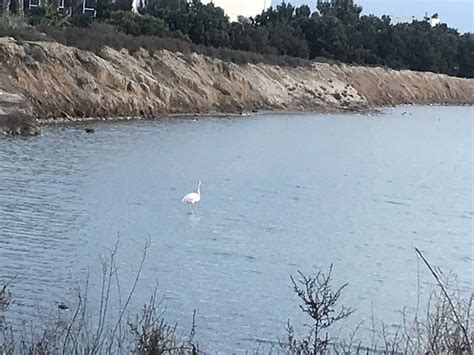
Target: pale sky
(456,13)
(246,8)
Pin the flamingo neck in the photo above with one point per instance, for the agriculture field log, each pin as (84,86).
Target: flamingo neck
(199,191)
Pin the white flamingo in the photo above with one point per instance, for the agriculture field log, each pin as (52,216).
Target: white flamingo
(193,197)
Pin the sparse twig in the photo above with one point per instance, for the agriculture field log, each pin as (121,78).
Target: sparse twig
(130,294)
(453,308)
(319,302)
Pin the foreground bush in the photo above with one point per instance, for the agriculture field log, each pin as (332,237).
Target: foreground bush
(444,328)
(73,330)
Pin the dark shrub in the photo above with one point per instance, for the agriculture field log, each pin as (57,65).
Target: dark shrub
(17,28)
(138,25)
(81,20)
(47,15)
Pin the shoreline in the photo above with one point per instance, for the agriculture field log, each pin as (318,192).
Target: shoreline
(96,120)
(87,121)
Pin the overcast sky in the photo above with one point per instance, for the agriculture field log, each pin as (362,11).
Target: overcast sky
(241,7)
(456,13)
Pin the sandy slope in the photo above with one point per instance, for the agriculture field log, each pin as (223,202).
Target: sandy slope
(60,82)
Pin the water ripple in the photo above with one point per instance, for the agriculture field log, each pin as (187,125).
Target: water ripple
(279,194)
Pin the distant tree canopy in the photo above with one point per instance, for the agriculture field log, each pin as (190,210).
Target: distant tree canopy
(336,30)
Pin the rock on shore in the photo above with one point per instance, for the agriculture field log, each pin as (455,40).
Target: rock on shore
(14,120)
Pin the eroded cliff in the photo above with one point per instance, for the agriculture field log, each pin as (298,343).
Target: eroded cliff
(60,82)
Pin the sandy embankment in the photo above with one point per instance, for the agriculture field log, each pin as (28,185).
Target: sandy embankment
(64,83)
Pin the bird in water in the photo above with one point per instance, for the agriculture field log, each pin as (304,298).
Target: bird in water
(193,197)
(63,307)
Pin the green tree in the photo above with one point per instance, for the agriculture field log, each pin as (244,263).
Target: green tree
(335,31)
(209,25)
(345,10)
(175,13)
(47,15)
(138,25)
(466,56)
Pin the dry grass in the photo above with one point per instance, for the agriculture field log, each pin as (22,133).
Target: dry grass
(17,28)
(100,35)
(444,328)
(75,331)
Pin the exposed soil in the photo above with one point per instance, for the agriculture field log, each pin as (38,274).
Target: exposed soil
(44,81)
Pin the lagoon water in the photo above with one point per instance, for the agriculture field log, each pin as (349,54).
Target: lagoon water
(281,193)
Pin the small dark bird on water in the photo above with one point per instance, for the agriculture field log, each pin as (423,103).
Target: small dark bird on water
(63,307)
(90,130)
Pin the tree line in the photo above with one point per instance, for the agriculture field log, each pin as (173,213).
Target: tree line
(337,30)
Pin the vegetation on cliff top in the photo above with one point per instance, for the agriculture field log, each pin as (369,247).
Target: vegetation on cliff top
(336,31)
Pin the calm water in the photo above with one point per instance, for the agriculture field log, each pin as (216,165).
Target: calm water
(280,193)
